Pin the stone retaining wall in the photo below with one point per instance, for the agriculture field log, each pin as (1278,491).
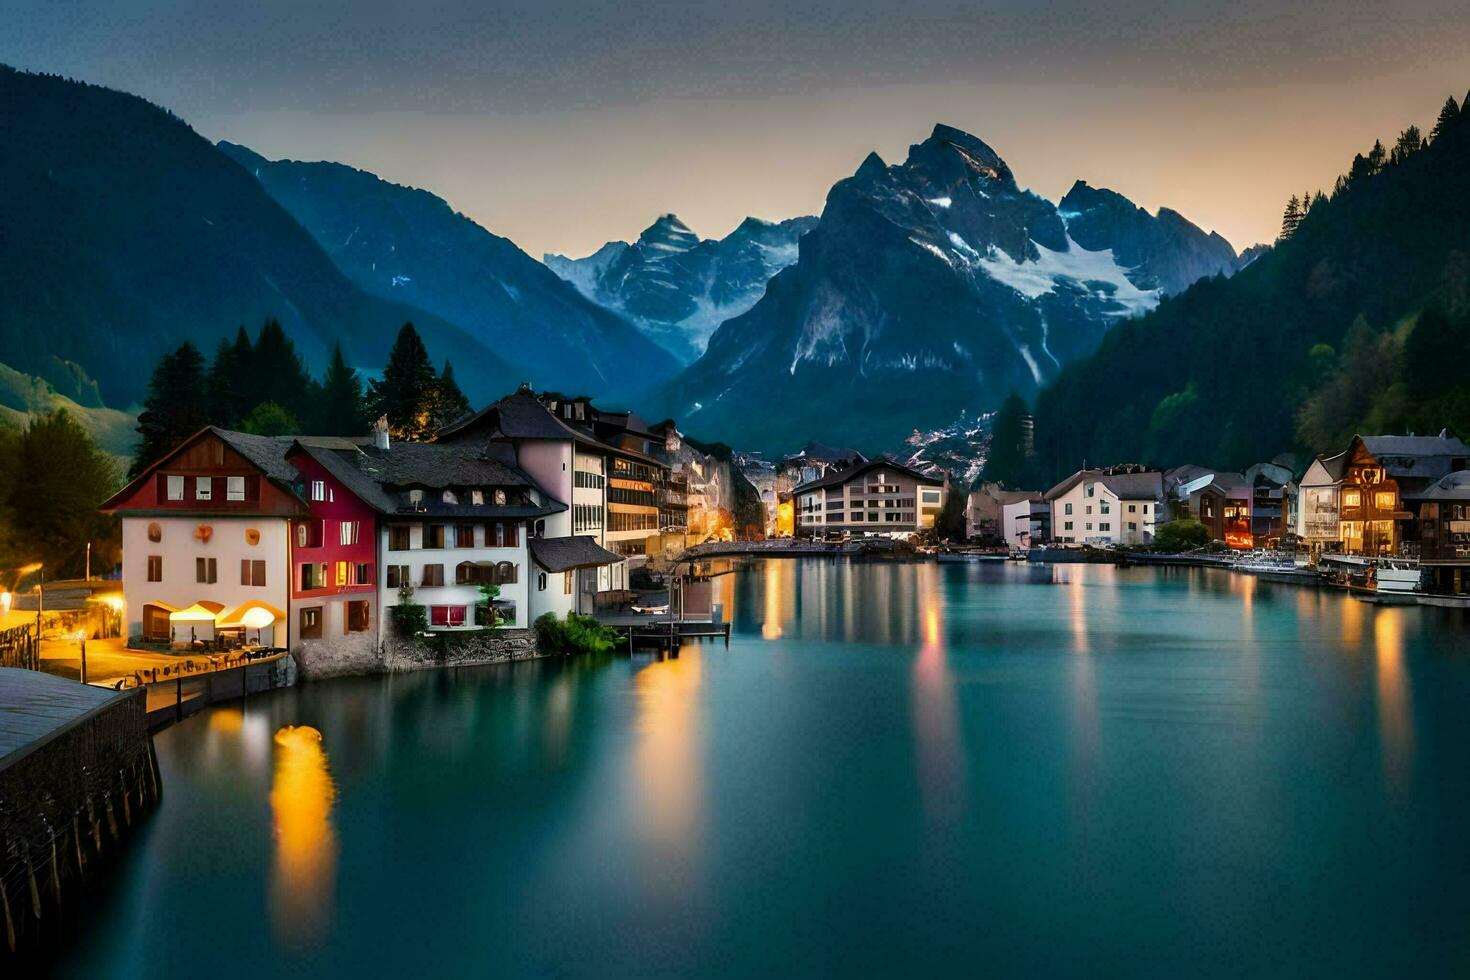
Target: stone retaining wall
(359,655)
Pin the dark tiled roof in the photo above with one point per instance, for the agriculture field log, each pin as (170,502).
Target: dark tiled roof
(1453,486)
(267,452)
(843,476)
(561,554)
(1127,486)
(522,416)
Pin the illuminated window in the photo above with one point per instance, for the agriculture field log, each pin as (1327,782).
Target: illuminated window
(1384,500)
(1351,498)
(175,488)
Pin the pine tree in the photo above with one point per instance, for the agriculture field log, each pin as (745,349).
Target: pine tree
(1447,117)
(408,389)
(1376,157)
(1008,463)
(1291,218)
(277,373)
(449,402)
(341,410)
(1408,144)
(177,405)
(52,476)
(229,380)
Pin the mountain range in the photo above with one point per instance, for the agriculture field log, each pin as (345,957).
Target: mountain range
(928,289)
(406,245)
(678,287)
(123,232)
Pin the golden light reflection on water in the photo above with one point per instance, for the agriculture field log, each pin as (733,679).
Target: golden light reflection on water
(1084,692)
(776,587)
(302,794)
(1352,622)
(1395,708)
(937,737)
(667,757)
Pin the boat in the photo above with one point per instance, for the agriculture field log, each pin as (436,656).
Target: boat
(1387,581)
(970,556)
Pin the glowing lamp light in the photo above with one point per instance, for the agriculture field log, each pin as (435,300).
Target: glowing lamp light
(4,603)
(257,618)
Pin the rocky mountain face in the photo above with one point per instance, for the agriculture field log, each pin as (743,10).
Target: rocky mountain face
(123,233)
(678,287)
(930,288)
(405,244)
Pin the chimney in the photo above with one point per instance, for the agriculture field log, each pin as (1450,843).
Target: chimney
(380,432)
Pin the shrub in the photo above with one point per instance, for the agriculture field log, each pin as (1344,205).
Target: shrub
(1181,535)
(575,634)
(409,618)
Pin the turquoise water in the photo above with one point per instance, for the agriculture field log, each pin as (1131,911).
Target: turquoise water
(893,769)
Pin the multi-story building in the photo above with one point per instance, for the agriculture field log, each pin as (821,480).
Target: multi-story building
(206,534)
(1444,534)
(877,497)
(1106,507)
(568,464)
(1026,523)
(984,506)
(1365,500)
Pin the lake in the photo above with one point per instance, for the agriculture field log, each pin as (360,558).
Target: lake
(894,768)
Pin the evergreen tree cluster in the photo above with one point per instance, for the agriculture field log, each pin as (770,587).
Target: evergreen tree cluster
(1283,355)
(263,386)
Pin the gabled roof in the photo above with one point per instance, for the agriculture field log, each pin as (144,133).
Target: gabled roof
(564,554)
(375,475)
(1148,485)
(265,453)
(522,416)
(840,477)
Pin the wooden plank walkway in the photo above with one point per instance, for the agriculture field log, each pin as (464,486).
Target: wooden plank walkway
(35,706)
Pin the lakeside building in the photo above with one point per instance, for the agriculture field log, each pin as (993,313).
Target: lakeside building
(1102,507)
(1222,503)
(206,536)
(1365,500)
(1026,523)
(879,497)
(1444,534)
(984,510)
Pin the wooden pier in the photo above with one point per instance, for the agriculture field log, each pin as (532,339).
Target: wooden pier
(664,631)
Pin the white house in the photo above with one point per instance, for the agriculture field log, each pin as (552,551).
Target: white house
(1026,523)
(1105,508)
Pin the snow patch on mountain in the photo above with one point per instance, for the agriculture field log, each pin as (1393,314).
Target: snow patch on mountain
(1035,278)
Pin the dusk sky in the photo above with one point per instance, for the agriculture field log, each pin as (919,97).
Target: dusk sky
(564,124)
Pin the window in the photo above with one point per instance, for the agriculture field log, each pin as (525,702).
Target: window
(433,575)
(313,576)
(1067,526)
(857,517)
(347,532)
(206,570)
(566,582)
(203,488)
(1089,525)
(364,574)
(1067,508)
(252,572)
(1351,498)
(464,536)
(341,573)
(1091,489)
(358,616)
(1132,508)
(309,534)
(433,535)
(541,582)
(397,576)
(1105,526)
(398,538)
(311,623)
(175,488)
(234,488)
(318,490)
(477,497)
(1384,500)
(499,498)
(506,573)
(450,498)
(446,615)
(155,568)
(1105,507)
(1089,508)
(1133,525)
(1145,508)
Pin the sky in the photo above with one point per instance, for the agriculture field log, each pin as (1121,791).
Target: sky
(563,124)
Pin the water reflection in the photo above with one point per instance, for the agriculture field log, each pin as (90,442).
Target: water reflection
(302,793)
(941,754)
(1395,711)
(775,588)
(667,758)
(1085,723)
